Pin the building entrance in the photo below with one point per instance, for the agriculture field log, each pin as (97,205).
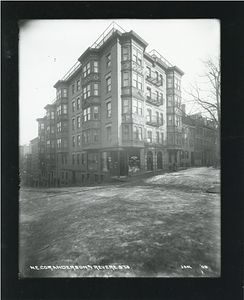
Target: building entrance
(159,161)
(149,161)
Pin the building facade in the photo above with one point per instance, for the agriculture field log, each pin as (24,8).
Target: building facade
(116,113)
(199,143)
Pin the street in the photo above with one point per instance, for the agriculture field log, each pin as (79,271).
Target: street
(166,225)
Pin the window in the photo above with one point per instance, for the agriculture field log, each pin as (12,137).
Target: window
(137,56)
(186,154)
(42,125)
(170,120)
(126,79)
(177,121)
(149,93)
(108,57)
(137,81)
(65,93)
(58,94)
(78,159)
(125,53)
(125,106)
(48,144)
(78,140)
(126,132)
(149,136)
(78,85)
(42,138)
(66,175)
(156,75)
(95,113)
(161,119)
(170,100)
(108,83)
(73,141)
(48,129)
(88,136)
(87,69)
(137,107)
(59,110)
(157,137)
(73,105)
(52,115)
(78,103)
(42,150)
(149,115)
(78,122)
(64,108)
(52,144)
(162,138)
(109,109)
(135,132)
(95,135)
(148,72)
(59,127)
(170,82)
(109,133)
(73,88)
(62,175)
(177,84)
(73,159)
(157,95)
(95,66)
(157,117)
(96,89)
(170,138)
(65,142)
(87,114)
(83,159)
(73,123)
(140,133)
(161,79)
(48,114)
(87,91)
(58,143)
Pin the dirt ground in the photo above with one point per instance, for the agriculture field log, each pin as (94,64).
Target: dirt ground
(163,226)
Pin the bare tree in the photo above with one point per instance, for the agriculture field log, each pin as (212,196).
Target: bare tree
(206,94)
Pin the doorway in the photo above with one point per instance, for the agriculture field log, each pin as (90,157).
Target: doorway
(149,161)
(159,161)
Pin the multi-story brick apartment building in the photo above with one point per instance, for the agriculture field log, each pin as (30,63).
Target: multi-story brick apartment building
(116,113)
(199,141)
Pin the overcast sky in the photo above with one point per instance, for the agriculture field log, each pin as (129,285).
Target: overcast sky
(49,48)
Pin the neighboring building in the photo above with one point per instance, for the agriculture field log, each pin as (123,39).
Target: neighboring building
(202,131)
(35,169)
(116,113)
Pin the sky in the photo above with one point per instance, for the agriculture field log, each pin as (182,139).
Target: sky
(49,48)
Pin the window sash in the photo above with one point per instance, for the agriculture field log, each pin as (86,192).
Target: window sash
(109,109)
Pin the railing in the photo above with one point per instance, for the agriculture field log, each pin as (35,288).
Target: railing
(154,120)
(158,56)
(71,71)
(108,32)
(154,80)
(154,99)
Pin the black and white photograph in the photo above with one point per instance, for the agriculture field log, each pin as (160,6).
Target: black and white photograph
(119,148)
